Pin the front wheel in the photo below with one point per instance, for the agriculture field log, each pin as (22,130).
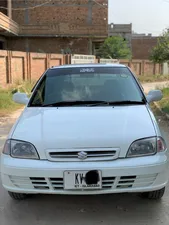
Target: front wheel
(17,196)
(154,194)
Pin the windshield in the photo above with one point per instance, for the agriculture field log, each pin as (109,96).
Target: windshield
(79,84)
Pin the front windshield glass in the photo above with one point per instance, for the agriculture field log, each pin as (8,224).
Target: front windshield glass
(86,84)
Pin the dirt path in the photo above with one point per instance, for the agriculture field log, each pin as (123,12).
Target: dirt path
(11,117)
(150,86)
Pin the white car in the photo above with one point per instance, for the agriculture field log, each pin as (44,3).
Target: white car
(86,129)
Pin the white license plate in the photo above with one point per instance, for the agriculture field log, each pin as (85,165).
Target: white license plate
(77,180)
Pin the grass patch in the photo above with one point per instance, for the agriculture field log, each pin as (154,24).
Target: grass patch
(153,78)
(7,105)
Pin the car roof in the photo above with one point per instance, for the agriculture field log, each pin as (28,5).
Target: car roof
(89,65)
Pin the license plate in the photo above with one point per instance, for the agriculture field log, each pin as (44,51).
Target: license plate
(77,180)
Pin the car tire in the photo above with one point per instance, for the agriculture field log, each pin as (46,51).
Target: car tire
(17,196)
(154,194)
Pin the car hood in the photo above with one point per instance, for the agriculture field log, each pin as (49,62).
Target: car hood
(84,127)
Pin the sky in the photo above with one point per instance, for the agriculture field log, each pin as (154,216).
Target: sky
(147,16)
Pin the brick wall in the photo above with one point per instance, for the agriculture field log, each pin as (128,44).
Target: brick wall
(25,66)
(3,68)
(142,47)
(17,65)
(75,17)
(58,25)
(143,67)
(49,45)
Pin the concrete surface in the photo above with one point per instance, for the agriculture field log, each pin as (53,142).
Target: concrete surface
(116,209)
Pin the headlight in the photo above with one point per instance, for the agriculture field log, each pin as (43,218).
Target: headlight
(146,147)
(20,149)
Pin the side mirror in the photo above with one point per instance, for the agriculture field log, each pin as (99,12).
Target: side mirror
(21,98)
(154,96)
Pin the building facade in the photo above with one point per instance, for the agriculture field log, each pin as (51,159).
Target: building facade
(54,26)
(123,30)
(8,27)
(142,45)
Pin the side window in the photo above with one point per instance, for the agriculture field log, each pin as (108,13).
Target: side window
(35,84)
(39,94)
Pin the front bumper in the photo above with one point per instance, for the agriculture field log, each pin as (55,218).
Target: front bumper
(118,176)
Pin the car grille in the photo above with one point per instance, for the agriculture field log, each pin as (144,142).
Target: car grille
(76,155)
(56,183)
(39,183)
(123,182)
(126,182)
(107,182)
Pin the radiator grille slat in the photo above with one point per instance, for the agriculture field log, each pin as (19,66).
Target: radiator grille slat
(56,183)
(89,155)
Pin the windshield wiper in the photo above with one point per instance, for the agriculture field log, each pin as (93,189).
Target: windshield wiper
(93,103)
(75,103)
(127,102)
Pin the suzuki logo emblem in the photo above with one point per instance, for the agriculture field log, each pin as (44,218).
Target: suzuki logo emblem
(82,155)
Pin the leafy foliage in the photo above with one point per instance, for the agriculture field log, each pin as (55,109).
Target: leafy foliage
(160,52)
(114,48)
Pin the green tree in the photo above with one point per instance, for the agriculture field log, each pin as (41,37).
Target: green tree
(160,52)
(114,48)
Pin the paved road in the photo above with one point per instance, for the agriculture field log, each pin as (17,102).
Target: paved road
(122,209)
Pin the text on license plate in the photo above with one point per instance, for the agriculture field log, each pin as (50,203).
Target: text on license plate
(82,180)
